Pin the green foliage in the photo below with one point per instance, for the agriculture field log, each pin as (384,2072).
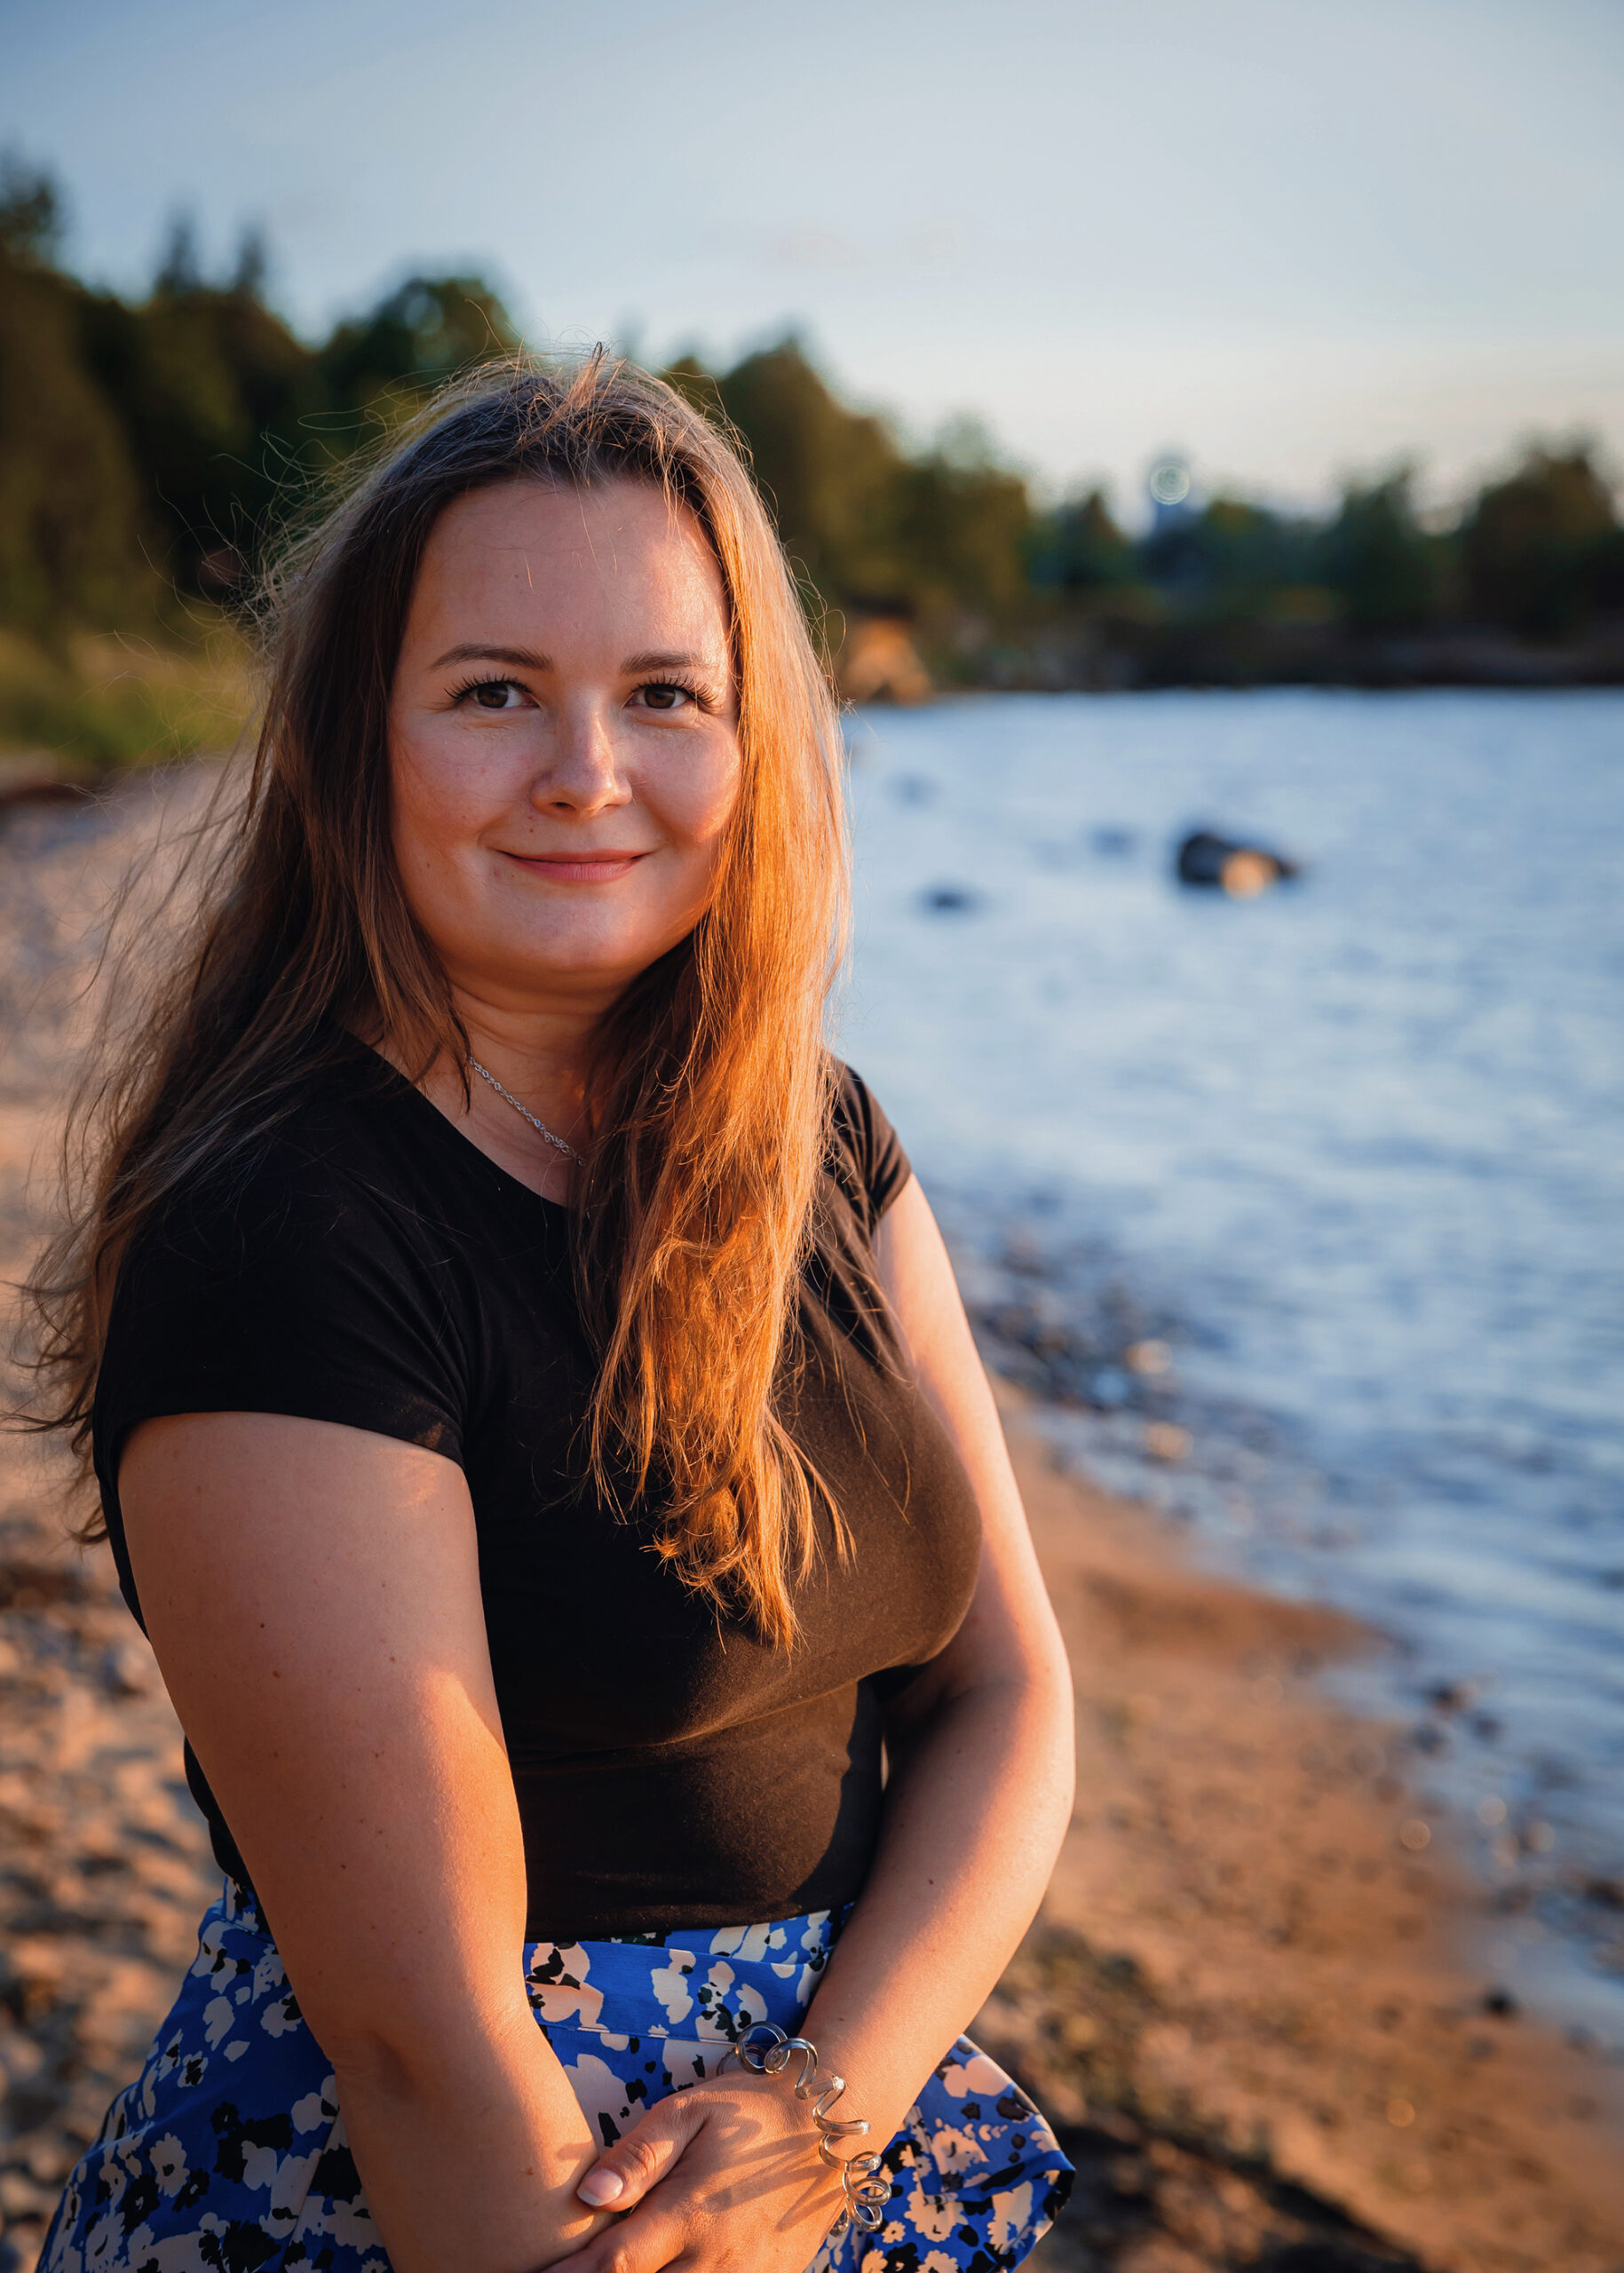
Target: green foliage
(106,701)
(30,212)
(832,476)
(1540,551)
(873,530)
(70,498)
(965,529)
(1226,561)
(424,333)
(213,393)
(1387,573)
(1079,548)
(149,448)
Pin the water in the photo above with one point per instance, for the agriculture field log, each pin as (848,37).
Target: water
(1350,1152)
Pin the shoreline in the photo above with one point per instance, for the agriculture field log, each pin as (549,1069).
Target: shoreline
(1258,2017)
(1252,2002)
(1252,1968)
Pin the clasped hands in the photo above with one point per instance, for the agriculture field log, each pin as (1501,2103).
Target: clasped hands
(721,2177)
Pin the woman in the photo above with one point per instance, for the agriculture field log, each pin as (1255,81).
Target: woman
(537,1427)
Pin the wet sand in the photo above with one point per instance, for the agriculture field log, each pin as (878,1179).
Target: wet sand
(1252,2001)
(1260,1951)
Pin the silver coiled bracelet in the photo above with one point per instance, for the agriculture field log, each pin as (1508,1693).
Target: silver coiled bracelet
(863,2192)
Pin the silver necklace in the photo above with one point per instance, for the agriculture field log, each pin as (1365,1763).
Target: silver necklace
(540,1126)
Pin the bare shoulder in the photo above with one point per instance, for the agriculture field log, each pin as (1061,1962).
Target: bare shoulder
(313,1594)
(257,1535)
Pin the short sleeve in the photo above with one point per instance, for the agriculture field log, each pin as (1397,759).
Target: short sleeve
(867,1148)
(297,1291)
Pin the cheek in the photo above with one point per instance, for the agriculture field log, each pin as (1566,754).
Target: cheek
(700,799)
(437,802)
(434,813)
(416,821)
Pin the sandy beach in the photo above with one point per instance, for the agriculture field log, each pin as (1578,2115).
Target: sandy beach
(1256,2001)
(1256,1988)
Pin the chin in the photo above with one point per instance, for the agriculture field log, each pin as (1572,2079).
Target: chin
(592,966)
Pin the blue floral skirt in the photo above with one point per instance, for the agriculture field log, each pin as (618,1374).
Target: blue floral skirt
(228,2153)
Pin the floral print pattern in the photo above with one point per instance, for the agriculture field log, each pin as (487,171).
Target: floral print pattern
(228,2154)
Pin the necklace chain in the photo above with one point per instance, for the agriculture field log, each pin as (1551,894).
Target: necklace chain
(540,1126)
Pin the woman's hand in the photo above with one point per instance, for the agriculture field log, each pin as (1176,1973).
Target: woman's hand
(723,2177)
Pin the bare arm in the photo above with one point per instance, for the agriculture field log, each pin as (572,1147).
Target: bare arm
(978,1803)
(313,1595)
(981,1747)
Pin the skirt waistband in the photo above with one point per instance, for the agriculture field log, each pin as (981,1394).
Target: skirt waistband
(709,1988)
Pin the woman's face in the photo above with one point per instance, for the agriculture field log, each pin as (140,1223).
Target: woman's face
(563,735)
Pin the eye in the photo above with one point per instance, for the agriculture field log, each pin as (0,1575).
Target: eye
(493,694)
(668,694)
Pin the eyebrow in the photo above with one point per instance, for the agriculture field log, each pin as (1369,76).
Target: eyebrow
(653,663)
(526,659)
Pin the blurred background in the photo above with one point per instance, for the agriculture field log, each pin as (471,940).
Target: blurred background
(1245,344)
(1198,430)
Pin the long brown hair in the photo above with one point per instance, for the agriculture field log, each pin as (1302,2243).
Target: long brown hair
(707,1096)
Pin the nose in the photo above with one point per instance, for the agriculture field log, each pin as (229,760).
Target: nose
(581,774)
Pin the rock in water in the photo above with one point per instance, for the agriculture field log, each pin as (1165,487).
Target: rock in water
(1220,863)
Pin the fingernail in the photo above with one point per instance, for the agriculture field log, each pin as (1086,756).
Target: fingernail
(600,2187)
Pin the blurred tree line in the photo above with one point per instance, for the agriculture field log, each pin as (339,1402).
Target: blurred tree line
(1539,555)
(150,448)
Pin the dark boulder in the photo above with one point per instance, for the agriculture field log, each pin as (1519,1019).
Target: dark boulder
(1207,862)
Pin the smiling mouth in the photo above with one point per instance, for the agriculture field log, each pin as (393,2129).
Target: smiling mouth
(577,867)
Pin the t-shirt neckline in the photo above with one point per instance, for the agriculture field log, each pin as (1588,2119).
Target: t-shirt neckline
(465,1142)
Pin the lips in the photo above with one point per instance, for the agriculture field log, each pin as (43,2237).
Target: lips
(577,867)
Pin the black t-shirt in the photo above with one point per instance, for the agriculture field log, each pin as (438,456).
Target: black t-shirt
(375,1268)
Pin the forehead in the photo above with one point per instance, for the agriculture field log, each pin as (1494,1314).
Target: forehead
(611,555)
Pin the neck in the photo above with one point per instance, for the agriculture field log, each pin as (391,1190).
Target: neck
(542,1057)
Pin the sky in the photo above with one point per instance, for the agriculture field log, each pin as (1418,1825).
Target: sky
(1294,240)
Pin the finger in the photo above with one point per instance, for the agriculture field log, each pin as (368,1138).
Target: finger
(624,2176)
(645,2242)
